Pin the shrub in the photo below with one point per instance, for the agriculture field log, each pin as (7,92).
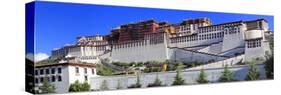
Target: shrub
(47,87)
(253,73)
(178,78)
(104,71)
(77,86)
(227,75)
(202,77)
(269,66)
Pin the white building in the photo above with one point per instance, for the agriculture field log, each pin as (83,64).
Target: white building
(194,40)
(212,42)
(197,39)
(87,49)
(61,75)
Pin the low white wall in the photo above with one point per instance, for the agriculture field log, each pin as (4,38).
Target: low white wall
(167,78)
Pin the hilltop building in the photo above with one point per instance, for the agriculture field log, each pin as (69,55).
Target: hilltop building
(191,40)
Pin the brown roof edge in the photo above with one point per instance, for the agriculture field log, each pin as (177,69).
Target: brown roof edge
(67,64)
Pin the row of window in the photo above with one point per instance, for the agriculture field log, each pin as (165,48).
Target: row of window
(75,49)
(48,71)
(88,57)
(94,38)
(130,45)
(184,28)
(77,70)
(253,43)
(49,79)
(216,28)
(100,42)
(232,30)
(211,36)
(184,39)
(156,41)
(200,37)
(204,30)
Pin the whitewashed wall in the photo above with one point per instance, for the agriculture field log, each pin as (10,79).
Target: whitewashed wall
(234,40)
(221,64)
(189,56)
(144,53)
(167,78)
(212,49)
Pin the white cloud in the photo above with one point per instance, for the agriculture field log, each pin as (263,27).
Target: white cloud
(38,57)
(29,56)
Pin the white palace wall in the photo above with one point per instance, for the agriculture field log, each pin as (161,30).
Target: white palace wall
(141,51)
(189,56)
(212,49)
(220,64)
(234,37)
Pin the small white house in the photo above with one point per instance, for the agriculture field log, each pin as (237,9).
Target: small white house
(61,75)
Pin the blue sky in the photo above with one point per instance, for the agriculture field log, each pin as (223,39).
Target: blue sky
(57,24)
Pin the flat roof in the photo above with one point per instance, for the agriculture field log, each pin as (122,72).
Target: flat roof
(67,64)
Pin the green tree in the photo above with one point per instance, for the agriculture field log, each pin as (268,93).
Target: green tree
(269,68)
(85,86)
(104,70)
(47,87)
(104,85)
(157,82)
(253,73)
(269,65)
(178,78)
(77,86)
(227,75)
(139,64)
(202,77)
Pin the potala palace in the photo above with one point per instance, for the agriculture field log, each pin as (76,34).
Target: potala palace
(191,40)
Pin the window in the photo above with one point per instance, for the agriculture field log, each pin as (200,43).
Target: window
(59,78)
(259,43)
(41,79)
(41,71)
(53,70)
(76,69)
(85,70)
(59,70)
(36,72)
(93,71)
(53,78)
(47,71)
(86,78)
(254,44)
(36,80)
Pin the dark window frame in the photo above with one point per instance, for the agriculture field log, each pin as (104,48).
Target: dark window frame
(53,70)
(47,71)
(59,78)
(59,70)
